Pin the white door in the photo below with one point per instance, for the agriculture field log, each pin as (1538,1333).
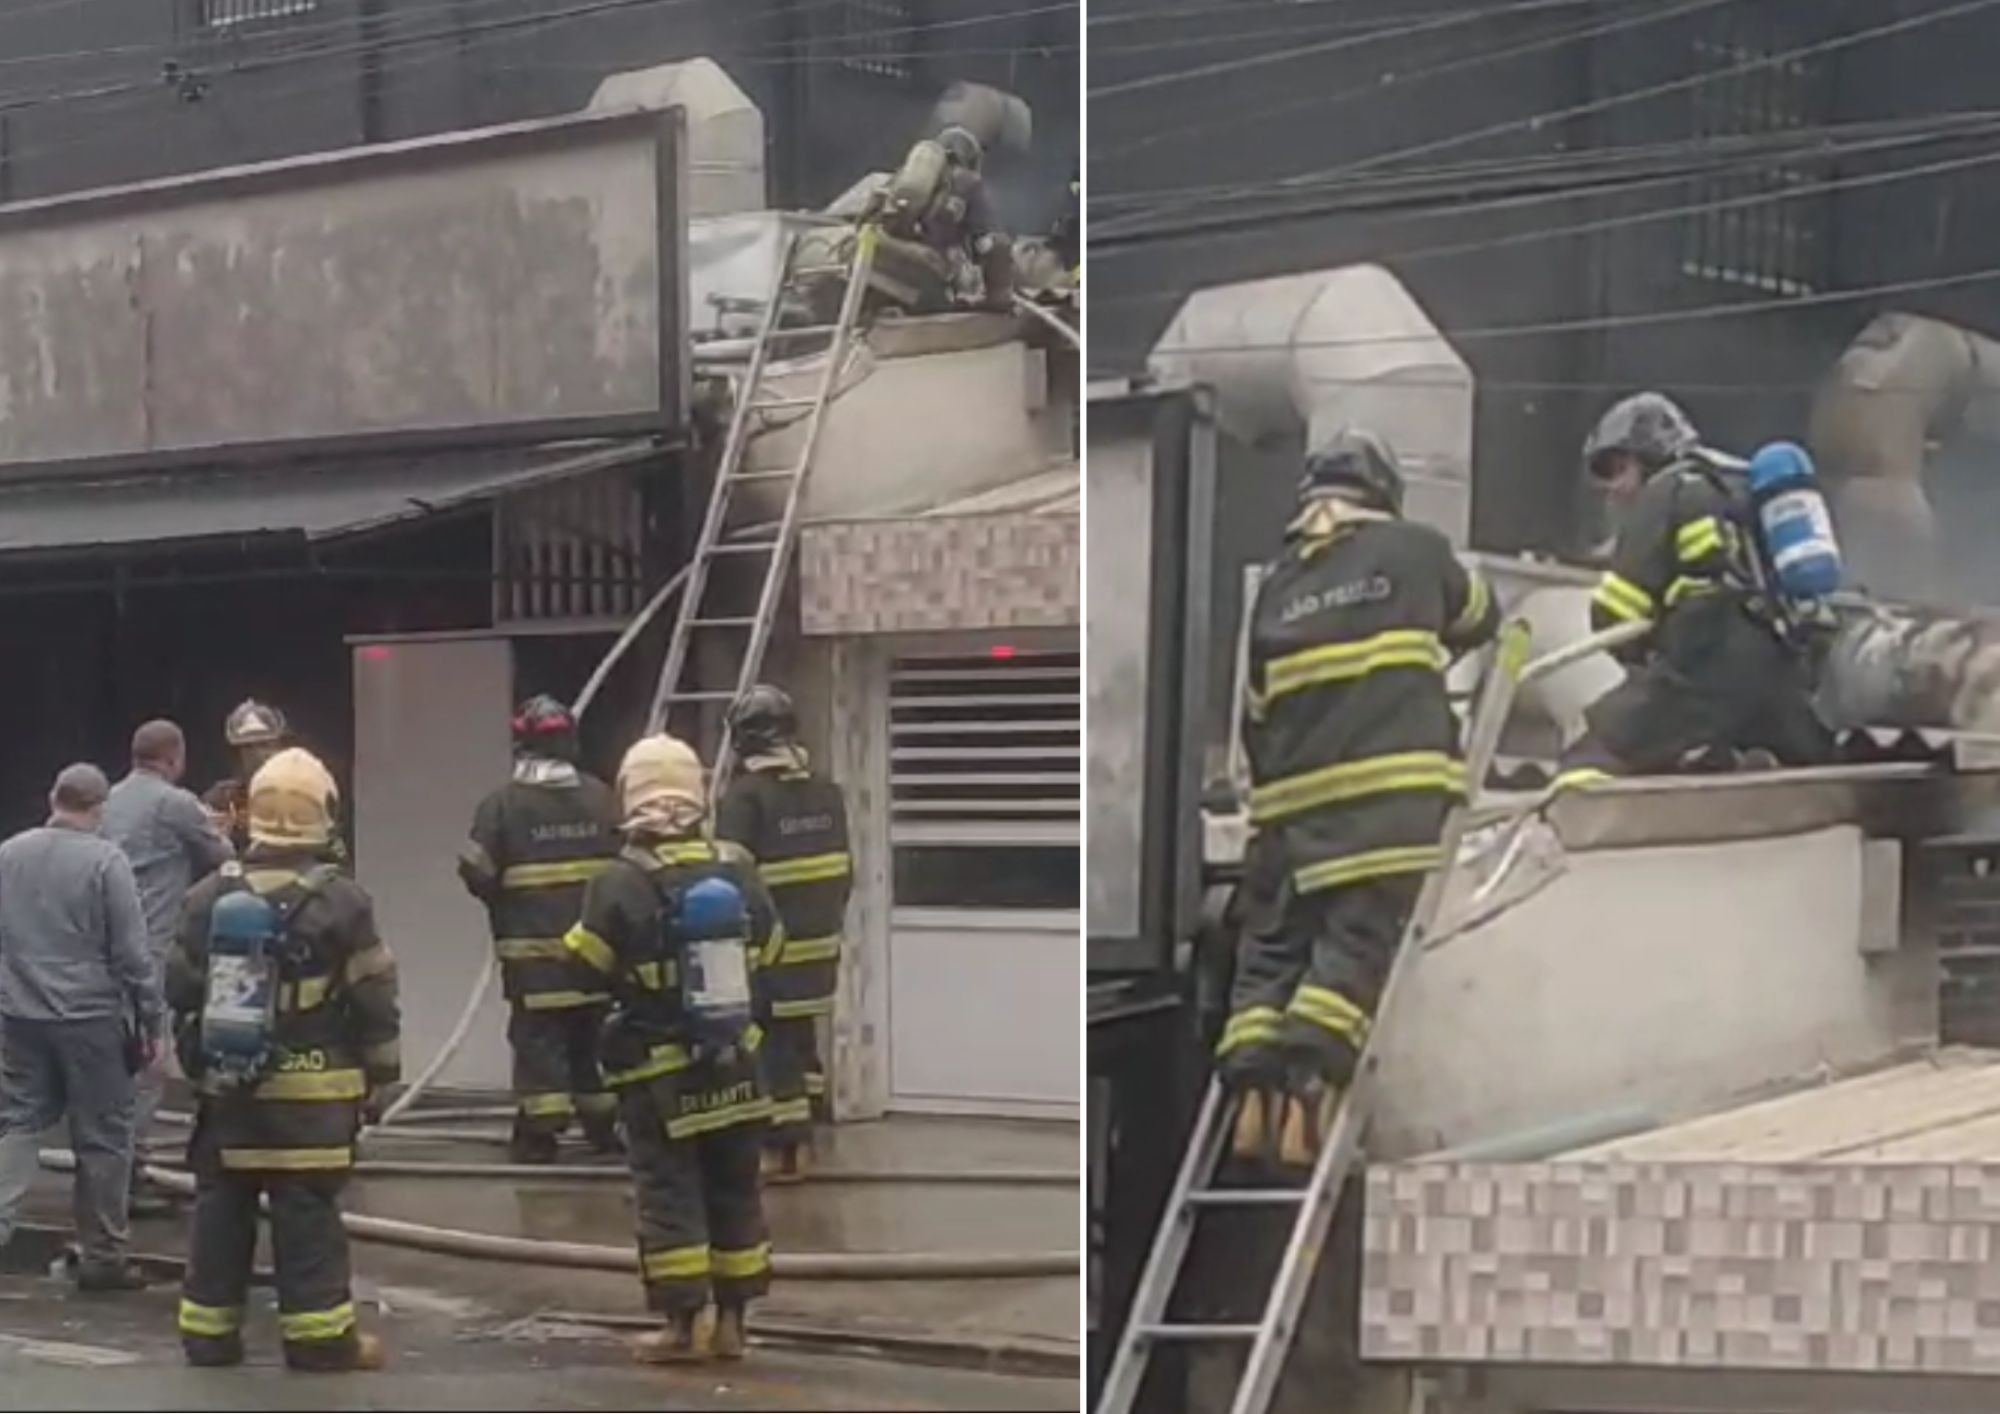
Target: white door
(431,738)
(984,997)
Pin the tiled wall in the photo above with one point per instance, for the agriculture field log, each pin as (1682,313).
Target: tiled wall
(940,574)
(1814,1267)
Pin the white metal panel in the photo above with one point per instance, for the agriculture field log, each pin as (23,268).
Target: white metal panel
(985,1011)
(431,739)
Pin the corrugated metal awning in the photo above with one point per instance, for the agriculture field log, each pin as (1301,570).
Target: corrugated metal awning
(313,501)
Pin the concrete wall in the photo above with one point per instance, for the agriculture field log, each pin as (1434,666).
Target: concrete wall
(487,280)
(1663,979)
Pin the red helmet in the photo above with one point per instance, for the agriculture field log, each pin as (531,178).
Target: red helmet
(542,722)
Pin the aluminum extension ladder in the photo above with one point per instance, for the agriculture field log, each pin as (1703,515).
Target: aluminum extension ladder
(722,607)
(1269,1339)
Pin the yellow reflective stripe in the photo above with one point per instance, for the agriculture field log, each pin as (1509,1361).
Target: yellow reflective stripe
(531,949)
(1478,599)
(298,1326)
(1376,775)
(1688,586)
(799,1010)
(1249,1027)
(810,950)
(554,874)
(289,1160)
(588,947)
(1372,864)
(196,1319)
(686,852)
(742,1262)
(1699,538)
(304,994)
(1330,1011)
(797,1111)
(545,1106)
(657,976)
(1621,598)
(1340,662)
(313,1085)
(1581,776)
(372,961)
(773,951)
(708,1121)
(810,869)
(661,1060)
(562,1001)
(674,1264)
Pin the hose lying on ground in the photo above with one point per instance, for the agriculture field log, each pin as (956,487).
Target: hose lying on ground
(587,1256)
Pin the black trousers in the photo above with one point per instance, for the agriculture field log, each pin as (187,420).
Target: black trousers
(555,1069)
(700,1207)
(1719,681)
(1309,971)
(315,1303)
(797,1078)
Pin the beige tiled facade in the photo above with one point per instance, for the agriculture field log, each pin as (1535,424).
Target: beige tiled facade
(1821,1266)
(941,573)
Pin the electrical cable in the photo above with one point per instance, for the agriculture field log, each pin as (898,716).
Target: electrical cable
(1614,100)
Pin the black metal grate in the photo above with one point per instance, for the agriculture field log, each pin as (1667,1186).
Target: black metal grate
(1960,880)
(221,14)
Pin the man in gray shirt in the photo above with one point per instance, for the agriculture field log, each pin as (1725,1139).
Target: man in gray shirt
(172,843)
(73,965)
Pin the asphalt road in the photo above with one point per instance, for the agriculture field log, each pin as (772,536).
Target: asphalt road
(63,1351)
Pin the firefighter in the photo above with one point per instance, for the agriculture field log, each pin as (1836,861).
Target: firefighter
(694,1113)
(255,731)
(954,221)
(1354,763)
(794,823)
(1722,679)
(283,1130)
(535,843)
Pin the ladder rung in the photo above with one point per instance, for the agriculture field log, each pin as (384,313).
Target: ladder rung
(763,475)
(743,547)
(700,697)
(1198,1332)
(806,331)
(781,404)
(722,623)
(821,269)
(1247,1197)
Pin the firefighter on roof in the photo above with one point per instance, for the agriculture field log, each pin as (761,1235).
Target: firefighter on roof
(1722,678)
(678,929)
(536,842)
(1354,763)
(286,1023)
(795,823)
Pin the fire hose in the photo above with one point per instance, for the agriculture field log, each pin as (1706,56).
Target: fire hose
(588,1256)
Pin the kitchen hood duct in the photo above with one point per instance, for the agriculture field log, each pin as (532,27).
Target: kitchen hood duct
(725,129)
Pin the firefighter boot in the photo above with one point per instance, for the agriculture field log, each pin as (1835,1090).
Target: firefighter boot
(786,1162)
(730,1339)
(672,1344)
(1255,1138)
(1309,1116)
(369,1353)
(529,1145)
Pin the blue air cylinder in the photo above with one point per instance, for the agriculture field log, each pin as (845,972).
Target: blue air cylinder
(239,1010)
(1793,521)
(712,929)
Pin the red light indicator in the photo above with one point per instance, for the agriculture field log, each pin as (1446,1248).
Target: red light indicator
(1004,650)
(376,653)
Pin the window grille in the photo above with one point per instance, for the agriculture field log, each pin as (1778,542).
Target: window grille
(222,14)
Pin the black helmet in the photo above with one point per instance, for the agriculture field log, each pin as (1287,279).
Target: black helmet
(1649,426)
(1355,461)
(763,719)
(962,147)
(546,727)
(254,723)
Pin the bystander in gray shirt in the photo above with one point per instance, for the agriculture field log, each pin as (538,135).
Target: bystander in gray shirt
(72,934)
(171,842)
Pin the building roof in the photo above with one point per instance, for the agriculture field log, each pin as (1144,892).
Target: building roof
(1944,1108)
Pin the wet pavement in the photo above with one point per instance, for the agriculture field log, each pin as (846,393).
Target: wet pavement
(452,1308)
(62,1351)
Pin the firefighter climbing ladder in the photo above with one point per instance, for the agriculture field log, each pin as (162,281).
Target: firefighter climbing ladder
(1269,1339)
(704,607)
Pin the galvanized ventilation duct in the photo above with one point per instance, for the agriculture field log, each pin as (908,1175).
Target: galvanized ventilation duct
(1314,353)
(725,129)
